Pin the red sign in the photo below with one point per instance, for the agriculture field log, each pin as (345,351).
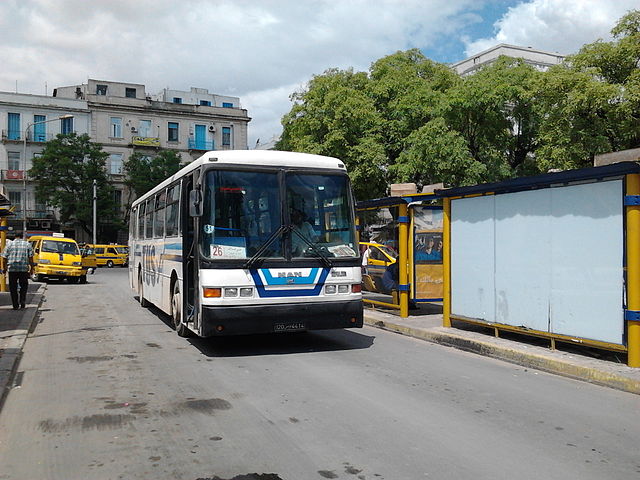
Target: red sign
(14,175)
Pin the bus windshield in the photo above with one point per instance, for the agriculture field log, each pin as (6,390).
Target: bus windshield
(244,215)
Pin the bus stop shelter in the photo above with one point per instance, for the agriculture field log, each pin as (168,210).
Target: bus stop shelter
(554,255)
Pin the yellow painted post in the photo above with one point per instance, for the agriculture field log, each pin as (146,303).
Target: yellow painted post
(633,271)
(403,244)
(358,230)
(3,240)
(446,263)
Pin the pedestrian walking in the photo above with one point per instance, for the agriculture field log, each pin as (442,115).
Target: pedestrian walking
(17,261)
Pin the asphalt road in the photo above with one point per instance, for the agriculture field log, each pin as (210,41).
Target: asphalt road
(106,390)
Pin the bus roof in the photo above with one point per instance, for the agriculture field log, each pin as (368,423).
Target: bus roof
(262,158)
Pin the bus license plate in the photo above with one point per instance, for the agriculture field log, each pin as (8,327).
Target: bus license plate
(289,327)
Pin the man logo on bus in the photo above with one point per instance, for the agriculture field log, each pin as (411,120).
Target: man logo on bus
(289,274)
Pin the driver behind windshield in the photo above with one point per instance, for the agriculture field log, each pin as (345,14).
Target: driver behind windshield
(301,227)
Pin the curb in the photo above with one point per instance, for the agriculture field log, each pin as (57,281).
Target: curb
(10,358)
(511,355)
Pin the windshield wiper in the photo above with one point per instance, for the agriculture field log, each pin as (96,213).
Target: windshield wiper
(325,260)
(263,248)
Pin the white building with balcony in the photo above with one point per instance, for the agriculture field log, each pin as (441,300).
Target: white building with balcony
(26,123)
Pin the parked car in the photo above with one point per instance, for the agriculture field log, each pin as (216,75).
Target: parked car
(379,257)
(57,258)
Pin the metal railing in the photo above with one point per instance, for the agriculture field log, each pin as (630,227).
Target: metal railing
(201,145)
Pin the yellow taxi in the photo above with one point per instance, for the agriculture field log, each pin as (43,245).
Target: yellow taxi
(57,257)
(376,259)
(111,255)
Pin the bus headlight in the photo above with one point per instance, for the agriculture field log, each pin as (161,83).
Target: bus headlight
(343,288)
(246,292)
(230,292)
(44,261)
(77,264)
(330,289)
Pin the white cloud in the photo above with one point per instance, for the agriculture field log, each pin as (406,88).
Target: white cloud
(561,26)
(260,51)
(256,50)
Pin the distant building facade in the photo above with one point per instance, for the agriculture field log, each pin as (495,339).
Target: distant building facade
(539,59)
(122,117)
(27,122)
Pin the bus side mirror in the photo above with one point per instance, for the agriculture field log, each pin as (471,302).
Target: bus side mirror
(195,203)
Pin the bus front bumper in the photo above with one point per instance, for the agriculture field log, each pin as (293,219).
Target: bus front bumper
(282,318)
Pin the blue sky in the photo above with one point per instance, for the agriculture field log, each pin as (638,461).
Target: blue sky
(264,50)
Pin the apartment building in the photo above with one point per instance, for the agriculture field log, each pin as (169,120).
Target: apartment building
(124,118)
(27,122)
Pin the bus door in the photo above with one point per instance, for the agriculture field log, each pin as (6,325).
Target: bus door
(190,225)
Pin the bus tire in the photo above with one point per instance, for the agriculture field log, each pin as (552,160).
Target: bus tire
(176,311)
(141,299)
(109,264)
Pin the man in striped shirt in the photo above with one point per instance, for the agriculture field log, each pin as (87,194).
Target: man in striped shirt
(17,260)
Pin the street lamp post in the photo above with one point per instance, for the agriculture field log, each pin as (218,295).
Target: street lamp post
(24,171)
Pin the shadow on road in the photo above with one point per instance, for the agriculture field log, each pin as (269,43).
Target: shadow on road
(275,343)
(282,343)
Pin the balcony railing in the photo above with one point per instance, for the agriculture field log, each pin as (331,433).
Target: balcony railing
(12,135)
(201,145)
(31,214)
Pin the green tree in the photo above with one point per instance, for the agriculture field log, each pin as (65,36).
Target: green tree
(334,116)
(64,175)
(144,172)
(592,102)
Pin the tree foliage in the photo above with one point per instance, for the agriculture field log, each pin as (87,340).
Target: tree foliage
(145,172)
(65,172)
(411,119)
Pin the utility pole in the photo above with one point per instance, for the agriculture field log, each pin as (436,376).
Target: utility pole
(95,199)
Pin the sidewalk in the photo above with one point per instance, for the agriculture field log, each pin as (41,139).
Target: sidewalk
(14,328)
(579,362)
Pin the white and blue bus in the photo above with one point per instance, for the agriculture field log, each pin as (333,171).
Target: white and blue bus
(244,242)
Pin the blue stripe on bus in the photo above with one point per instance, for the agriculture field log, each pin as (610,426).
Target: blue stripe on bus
(297,292)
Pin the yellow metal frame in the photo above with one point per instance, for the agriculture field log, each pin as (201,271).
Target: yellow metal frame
(633,270)
(446,263)
(403,229)
(540,334)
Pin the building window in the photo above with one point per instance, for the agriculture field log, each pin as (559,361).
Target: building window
(177,100)
(205,103)
(116,127)
(117,200)
(67,126)
(144,128)
(173,132)
(115,164)
(13,161)
(130,92)
(101,89)
(15,198)
(226,136)
(14,126)
(227,105)
(39,128)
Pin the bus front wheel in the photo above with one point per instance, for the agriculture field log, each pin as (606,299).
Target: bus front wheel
(109,264)
(176,312)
